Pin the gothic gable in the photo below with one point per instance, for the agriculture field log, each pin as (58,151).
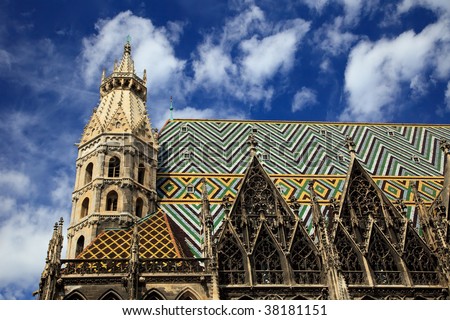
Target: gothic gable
(259,200)
(365,204)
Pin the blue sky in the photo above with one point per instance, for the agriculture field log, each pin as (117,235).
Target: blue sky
(315,60)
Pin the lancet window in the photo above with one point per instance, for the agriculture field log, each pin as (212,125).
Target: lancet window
(421,263)
(114,167)
(348,258)
(305,263)
(231,263)
(382,261)
(267,262)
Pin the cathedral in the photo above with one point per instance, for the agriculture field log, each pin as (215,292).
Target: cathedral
(241,209)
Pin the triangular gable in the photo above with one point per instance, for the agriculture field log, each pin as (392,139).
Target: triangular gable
(92,129)
(259,200)
(156,241)
(362,197)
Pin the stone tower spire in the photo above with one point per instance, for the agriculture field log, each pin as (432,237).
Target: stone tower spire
(117,159)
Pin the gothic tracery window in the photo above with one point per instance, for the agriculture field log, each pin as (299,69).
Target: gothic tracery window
(304,262)
(348,258)
(267,262)
(420,262)
(231,263)
(382,261)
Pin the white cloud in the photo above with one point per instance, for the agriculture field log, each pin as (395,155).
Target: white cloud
(304,98)
(377,71)
(317,5)
(263,58)
(354,10)
(213,66)
(15,182)
(447,97)
(441,7)
(246,54)
(152,48)
(333,37)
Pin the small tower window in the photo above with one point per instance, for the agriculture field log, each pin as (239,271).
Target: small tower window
(84,208)
(190,189)
(340,157)
(265,157)
(391,133)
(80,246)
(139,207)
(111,201)
(254,130)
(114,167)
(184,128)
(88,173)
(415,159)
(141,173)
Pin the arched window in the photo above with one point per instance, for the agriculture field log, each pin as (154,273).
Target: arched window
(268,269)
(84,208)
(111,201)
(111,295)
(88,173)
(80,246)
(231,262)
(114,167)
(187,295)
(154,295)
(141,173)
(139,207)
(75,296)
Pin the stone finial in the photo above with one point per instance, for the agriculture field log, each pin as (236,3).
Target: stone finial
(204,189)
(445,146)
(171,108)
(251,141)
(350,145)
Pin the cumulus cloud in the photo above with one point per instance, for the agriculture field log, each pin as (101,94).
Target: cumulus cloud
(304,98)
(377,72)
(246,54)
(152,48)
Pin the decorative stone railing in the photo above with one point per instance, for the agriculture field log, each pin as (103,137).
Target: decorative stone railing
(120,266)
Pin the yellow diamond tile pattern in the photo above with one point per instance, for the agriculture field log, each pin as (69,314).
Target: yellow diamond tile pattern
(156,240)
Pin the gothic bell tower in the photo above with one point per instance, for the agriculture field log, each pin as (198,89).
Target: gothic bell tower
(117,159)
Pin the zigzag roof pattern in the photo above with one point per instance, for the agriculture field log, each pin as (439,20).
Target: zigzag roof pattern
(292,153)
(219,146)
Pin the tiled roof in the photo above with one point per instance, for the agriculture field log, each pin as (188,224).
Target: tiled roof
(156,241)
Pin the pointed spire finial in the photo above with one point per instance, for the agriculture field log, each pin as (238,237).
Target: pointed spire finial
(204,189)
(171,108)
(350,145)
(127,47)
(144,77)
(251,141)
